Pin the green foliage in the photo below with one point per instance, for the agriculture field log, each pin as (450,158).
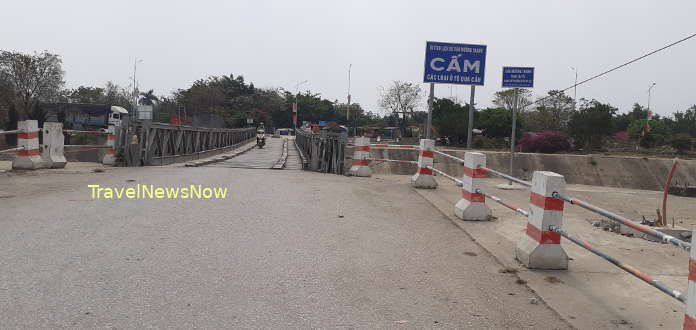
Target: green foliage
(552,113)
(685,122)
(657,134)
(681,142)
(621,122)
(495,122)
(591,124)
(450,119)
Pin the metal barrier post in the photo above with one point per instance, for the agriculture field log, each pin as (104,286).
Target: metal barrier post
(690,315)
(361,155)
(110,152)
(541,247)
(424,176)
(53,145)
(472,206)
(29,157)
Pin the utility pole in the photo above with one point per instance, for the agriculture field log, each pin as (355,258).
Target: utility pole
(350,66)
(471,117)
(575,89)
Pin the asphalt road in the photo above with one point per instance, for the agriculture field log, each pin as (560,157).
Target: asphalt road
(285,250)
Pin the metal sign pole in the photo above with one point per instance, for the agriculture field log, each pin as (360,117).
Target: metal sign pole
(471,117)
(428,126)
(515,107)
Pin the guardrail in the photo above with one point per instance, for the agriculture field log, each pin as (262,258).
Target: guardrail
(540,248)
(324,152)
(144,143)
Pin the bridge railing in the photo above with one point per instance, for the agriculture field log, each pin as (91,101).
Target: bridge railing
(540,247)
(324,151)
(143,143)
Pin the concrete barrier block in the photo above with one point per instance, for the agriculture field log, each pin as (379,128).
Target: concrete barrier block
(361,158)
(29,158)
(53,149)
(541,248)
(424,176)
(472,206)
(110,151)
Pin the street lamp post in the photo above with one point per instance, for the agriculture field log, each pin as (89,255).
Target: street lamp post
(295,106)
(649,93)
(135,87)
(575,89)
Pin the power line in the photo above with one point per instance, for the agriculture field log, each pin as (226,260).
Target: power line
(618,67)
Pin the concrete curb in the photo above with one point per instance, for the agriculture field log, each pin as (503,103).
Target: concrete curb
(222,158)
(280,164)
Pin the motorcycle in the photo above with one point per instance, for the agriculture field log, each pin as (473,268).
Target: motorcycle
(260,138)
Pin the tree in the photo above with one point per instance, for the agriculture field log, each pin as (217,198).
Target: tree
(506,98)
(451,119)
(650,133)
(148,98)
(621,122)
(552,113)
(495,122)
(32,78)
(591,124)
(402,98)
(685,122)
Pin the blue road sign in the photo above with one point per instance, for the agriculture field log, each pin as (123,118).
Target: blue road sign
(449,63)
(322,123)
(518,77)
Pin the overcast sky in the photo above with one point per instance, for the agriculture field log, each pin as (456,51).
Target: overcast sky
(275,43)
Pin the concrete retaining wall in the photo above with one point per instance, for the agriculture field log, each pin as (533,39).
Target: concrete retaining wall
(598,170)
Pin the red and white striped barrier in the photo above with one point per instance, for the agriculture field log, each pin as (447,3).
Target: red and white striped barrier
(690,315)
(29,156)
(424,177)
(110,151)
(361,158)
(472,206)
(541,247)
(53,145)
(399,146)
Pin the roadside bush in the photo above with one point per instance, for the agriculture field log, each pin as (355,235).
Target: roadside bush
(681,142)
(483,142)
(544,141)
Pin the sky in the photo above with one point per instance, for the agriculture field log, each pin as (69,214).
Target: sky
(275,43)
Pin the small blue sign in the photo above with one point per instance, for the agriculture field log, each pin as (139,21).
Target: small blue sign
(518,77)
(449,63)
(322,123)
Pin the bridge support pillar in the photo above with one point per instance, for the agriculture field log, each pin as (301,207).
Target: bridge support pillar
(361,155)
(424,176)
(53,145)
(541,248)
(28,158)
(472,206)
(110,151)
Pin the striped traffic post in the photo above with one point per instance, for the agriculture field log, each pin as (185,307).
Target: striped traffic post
(690,315)
(28,156)
(424,176)
(110,151)
(361,157)
(53,154)
(472,206)
(540,248)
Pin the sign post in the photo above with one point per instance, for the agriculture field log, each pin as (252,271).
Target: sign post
(450,63)
(516,77)
(431,98)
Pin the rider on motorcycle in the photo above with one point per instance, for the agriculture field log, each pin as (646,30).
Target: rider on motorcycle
(260,136)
